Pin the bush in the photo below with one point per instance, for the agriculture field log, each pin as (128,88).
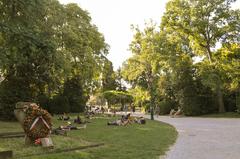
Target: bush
(230,102)
(207,104)
(191,106)
(198,105)
(75,94)
(238,101)
(11,92)
(59,105)
(166,106)
(44,102)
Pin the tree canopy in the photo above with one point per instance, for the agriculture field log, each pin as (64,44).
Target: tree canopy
(192,61)
(47,50)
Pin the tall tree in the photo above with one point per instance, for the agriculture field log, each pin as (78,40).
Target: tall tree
(142,68)
(206,23)
(119,80)
(27,52)
(44,44)
(108,77)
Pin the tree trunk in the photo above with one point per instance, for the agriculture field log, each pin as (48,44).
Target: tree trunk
(221,108)
(152,114)
(152,103)
(152,100)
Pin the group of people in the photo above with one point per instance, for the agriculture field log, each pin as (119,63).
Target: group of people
(95,109)
(123,121)
(174,113)
(127,119)
(79,120)
(62,130)
(64,117)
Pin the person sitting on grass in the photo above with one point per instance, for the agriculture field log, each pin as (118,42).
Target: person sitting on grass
(60,118)
(102,110)
(89,114)
(71,127)
(126,117)
(140,120)
(80,121)
(123,121)
(64,117)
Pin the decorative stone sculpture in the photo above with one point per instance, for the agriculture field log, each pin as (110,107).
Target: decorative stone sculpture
(35,121)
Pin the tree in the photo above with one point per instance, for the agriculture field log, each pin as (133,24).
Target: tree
(140,96)
(27,58)
(117,97)
(85,47)
(119,80)
(206,23)
(228,60)
(142,68)
(177,83)
(44,48)
(108,77)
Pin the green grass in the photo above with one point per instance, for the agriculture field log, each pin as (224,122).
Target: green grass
(223,115)
(120,142)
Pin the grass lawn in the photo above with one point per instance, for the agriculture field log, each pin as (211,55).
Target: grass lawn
(123,142)
(223,115)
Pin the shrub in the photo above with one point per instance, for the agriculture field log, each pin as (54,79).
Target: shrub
(238,101)
(75,94)
(166,106)
(59,105)
(230,102)
(191,106)
(44,102)
(11,92)
(207,104)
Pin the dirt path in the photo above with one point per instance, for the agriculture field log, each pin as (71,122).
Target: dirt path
(204,138)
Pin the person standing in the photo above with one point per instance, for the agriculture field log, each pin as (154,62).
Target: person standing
(157,111)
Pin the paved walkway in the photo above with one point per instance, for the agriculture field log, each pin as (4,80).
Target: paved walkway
(204,138)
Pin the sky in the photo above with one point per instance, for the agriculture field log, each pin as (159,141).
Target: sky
(115,17)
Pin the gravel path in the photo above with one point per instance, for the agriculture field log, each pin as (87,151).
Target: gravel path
(204,138)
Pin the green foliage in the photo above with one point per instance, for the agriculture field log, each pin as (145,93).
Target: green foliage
(205,24)
(142,68)
(231,101)
(108,77)
(140,96)
(59,104)
(119,80)
(238,102)
(10,93)
(166,106)
(44,45)
(164,65)
(117,97)
(75,95)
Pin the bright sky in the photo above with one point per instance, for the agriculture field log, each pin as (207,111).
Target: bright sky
(114,18)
